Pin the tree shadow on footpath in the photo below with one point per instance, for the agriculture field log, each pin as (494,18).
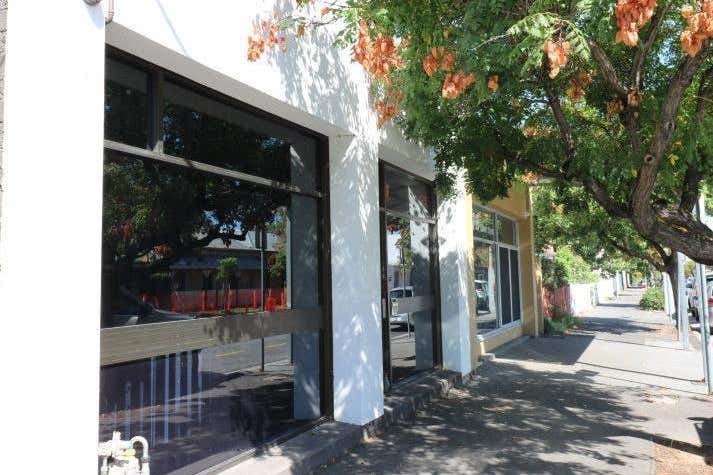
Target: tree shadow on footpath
(512,420)
(617,326)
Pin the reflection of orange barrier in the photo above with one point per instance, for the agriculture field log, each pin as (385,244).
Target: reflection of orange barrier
(214,300)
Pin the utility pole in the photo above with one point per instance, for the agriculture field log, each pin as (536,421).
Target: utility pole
(703,309)
(682,310)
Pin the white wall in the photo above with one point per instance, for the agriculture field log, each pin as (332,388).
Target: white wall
(581,298)
(51,235)
(457,286)
(606,290)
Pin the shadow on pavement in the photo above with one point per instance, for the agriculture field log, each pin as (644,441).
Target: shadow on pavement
(512,420)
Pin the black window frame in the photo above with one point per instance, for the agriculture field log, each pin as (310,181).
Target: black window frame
(126,344)
(410,304)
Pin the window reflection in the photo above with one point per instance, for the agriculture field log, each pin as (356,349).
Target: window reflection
(497,269)
(405,195)
(179,244)
(486,286)
(197,408)
(409,275)
(484,224)
(126,104)
(201,129)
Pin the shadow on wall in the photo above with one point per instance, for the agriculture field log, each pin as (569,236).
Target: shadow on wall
(320,79)
(452,290)
(356,296)
(511,420)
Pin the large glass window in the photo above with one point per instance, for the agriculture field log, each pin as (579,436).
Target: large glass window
(497,270)
(211,295)
(408,272)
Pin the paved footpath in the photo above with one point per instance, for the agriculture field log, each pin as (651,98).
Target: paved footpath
(597,402)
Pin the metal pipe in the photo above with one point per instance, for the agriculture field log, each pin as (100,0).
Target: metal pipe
(703,311)
(682,310)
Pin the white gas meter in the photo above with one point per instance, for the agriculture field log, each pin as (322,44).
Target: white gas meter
(118,457)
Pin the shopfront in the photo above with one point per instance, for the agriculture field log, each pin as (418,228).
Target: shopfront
(213,284)
(410,317)
(497,271)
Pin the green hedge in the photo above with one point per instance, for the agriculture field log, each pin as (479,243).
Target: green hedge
(652,299)
(566,268)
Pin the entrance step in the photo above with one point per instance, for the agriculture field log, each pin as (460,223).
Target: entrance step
(327,442)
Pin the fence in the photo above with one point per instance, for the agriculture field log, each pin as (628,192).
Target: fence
(577,298)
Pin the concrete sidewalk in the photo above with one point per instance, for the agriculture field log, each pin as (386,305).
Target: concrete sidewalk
(589,403)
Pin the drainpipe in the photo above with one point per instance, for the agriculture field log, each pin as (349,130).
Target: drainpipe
(109,12)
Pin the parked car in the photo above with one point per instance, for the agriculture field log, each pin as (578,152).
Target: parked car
(692,292)
(481,295)
(400,293)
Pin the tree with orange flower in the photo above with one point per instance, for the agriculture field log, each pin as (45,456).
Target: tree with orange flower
(613,96)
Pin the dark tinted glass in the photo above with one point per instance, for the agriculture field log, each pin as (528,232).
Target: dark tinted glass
(515,274)
(505,294)
(404,194)
(126,106)
(199,408)
(178,243)
(202,129)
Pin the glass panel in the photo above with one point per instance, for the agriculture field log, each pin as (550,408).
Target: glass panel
(199,128)
(515,273)
(199,408)
(486,286)
(506,231)
(404,194)
(484,224)
(409,275)
(126,106)
(505,302)
(180,244)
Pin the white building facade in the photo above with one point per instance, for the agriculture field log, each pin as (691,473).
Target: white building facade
(210,252)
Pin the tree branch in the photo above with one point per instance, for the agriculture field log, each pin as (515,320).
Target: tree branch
(623,248)
(643,212)
(645,46)
(607,69)
(565,129)
(693,176)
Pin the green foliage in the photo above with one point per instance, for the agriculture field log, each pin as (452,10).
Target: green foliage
(689,268)
(652,299)
(483,131)
(568,216)
(560,322)
(554,274)
(227,267)
(578,271)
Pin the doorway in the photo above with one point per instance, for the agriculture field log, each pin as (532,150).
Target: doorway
(409,271)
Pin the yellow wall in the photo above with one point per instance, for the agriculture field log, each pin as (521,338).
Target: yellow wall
(516,206)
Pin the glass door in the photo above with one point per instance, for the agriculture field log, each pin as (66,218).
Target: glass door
(409,276)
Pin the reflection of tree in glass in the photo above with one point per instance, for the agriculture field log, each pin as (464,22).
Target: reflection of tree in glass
(227,268)
(155,214)
(278,228)
(201,137)
(403,243)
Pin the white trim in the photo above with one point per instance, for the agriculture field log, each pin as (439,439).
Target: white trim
(486,336)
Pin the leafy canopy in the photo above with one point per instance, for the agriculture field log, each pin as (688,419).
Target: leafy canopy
(611,97)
